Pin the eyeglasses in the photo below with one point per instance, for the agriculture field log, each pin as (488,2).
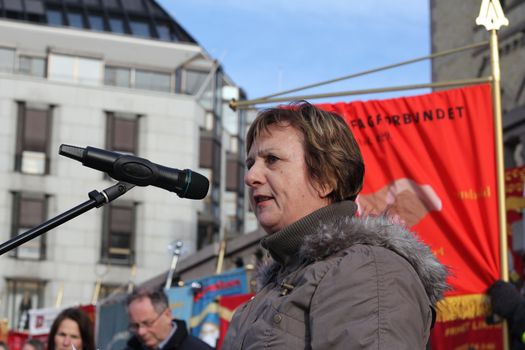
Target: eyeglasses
(134,327)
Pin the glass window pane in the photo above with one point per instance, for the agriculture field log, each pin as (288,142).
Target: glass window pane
(22,296)
(140,28)
(111,4)
(35,130)
(13,5)
(96,22)
(120,240)
(121,219)
(61,68)
(117,76)
(116,25)
(194,81)
(35,66)
(34,7)
(152,80)
(30,249)
(7,59)
(75,20)
(164,32)
(89,71)
(31,212)
(55,18)
(133,5)
(118,233)
(206,152)
(124,135)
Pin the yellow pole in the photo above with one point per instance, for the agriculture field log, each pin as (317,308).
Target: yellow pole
(491,16)
(234,104)
(96,292)
(60,295)
(496,100)
(220,258)
(498,129)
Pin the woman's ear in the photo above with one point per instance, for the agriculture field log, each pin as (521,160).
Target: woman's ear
(324,190)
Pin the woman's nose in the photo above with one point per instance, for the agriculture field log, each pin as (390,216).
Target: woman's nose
(253,176)
(67,340)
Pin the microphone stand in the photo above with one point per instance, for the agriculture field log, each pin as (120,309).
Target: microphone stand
(96,199)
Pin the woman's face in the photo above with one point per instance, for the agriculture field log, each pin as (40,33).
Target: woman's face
(68,336)
(280,189)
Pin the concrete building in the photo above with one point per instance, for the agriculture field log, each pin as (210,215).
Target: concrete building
(453,24)
(118,75)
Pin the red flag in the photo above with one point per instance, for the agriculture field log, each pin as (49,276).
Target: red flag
(227,306)
(430,161)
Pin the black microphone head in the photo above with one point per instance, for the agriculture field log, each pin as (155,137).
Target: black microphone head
(73,152)
(198,186)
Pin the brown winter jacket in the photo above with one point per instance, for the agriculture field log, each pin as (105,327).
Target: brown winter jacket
(341,282)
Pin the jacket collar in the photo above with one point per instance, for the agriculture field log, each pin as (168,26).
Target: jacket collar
(284,245)
(334,228)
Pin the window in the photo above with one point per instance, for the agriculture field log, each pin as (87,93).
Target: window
(80,70)
(29,210)
(152,80)
(91,3)
(206,151)
(122,132)
(7,59)
(116,25)
(232,172)
(208,233)
(137,78)
(111,4)
(96,22)
(164,32)
(75,19)
(193,81)
(117,76)
(33,135)
(54,17)
(140,28)
(118,233)
(35,66)
(23,295)
(134,5)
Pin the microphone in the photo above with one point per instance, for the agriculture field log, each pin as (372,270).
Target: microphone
(139,171)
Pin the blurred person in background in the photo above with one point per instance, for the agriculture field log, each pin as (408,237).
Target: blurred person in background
(152,325)
(71,328)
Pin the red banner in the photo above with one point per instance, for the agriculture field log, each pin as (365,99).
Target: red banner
(430,161)
(227,306)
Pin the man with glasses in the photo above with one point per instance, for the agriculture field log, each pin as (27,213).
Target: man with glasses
(153,328)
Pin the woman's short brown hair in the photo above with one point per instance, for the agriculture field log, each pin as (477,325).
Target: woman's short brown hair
(332,156)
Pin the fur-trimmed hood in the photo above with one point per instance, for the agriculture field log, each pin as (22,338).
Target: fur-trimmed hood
(334,236)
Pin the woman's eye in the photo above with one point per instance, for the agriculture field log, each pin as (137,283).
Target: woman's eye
(271,159)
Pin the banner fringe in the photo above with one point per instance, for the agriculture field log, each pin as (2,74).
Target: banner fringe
(463,307)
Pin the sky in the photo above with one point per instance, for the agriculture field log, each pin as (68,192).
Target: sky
(267,46)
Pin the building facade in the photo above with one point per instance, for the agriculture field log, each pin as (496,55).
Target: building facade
(453,25)
(122,76)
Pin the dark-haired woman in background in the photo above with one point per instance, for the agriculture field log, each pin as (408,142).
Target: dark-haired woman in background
(72,329)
